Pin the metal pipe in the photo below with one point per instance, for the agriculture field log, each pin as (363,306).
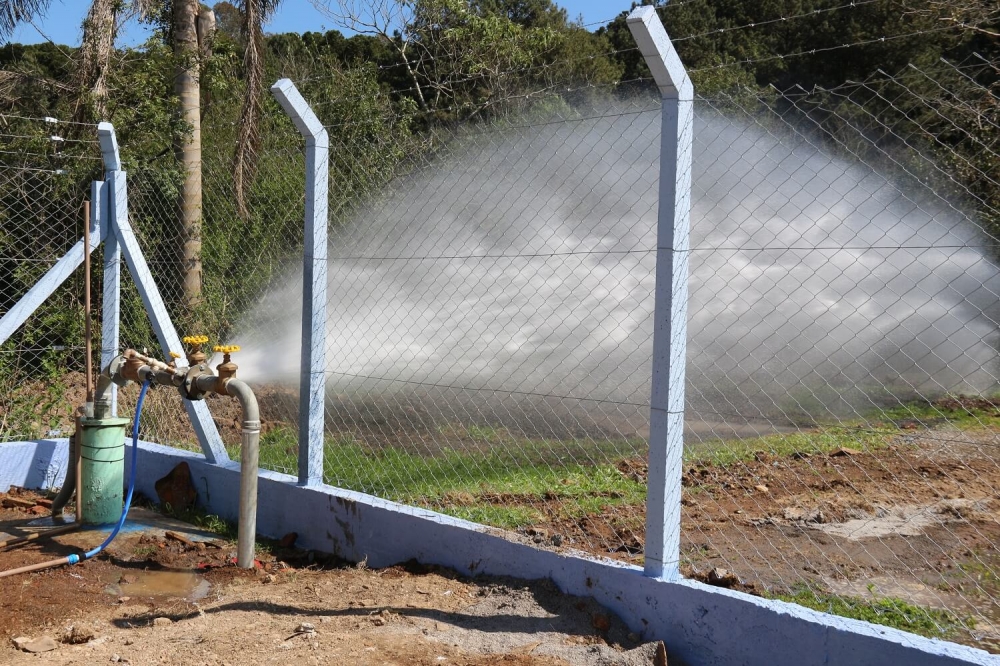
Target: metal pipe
(55,531)
(78,468)
(69,485)
(38,567)
(249,462)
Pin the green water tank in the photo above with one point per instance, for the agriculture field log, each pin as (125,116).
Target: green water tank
(102,469)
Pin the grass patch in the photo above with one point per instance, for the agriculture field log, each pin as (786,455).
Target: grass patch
(499,481)
(887,611)
(495,477)
(821,440)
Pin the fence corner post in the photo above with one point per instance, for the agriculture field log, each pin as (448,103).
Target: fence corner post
(312,383)
(666,419)
(101,210)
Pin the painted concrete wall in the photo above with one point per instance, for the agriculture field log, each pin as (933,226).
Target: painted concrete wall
(699,623)
(40,464)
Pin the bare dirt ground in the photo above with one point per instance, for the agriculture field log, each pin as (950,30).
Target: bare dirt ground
(917,521)
(157,600)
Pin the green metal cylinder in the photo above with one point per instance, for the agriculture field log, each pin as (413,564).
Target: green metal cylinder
(102,473)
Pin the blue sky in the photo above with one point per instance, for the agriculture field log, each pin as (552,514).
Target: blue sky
(62,21)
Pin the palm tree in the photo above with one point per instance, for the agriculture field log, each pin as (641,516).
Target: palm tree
(255,14)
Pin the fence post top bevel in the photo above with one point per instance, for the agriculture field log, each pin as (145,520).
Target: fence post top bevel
(109,146)
(658,51)
(298,110)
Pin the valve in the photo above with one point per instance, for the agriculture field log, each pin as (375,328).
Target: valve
(227,369)
(195,355)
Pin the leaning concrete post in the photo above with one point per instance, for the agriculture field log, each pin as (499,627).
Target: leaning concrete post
(666,418)
(312,383)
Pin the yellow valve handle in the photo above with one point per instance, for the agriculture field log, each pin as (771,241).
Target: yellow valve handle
(195,339)
(174,354)
(226,349)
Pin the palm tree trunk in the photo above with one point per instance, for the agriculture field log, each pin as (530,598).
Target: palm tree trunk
(188,148)
(99,29)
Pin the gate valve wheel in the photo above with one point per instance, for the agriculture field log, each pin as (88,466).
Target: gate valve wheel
(195,355)
(227,369)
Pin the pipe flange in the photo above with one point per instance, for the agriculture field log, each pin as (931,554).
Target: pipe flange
(189,387)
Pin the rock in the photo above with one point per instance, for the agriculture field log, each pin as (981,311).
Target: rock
(722,578)
(306,628)
(762,489)
(798,514)
(162,621)
(601,622)
(40,644)
(844,451)
(115,658)
(176,488)
(378,621)
(288,540)
(47,503)
(557,540)
(80,633)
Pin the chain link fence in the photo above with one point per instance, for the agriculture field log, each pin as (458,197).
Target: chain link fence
(841,445)
(490,322)
(45,170)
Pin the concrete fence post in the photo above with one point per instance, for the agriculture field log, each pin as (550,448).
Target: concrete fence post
(666,419)
(100,210)
(312,384)
(128,245)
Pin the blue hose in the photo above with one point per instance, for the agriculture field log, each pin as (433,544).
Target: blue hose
(74,559)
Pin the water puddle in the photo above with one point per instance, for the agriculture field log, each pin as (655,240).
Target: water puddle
(175,584)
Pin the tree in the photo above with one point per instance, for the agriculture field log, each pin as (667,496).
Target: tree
(229,20)
(12,12)
(187,57)
(255,14)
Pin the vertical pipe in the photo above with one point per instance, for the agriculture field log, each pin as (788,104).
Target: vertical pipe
(312,386)
(78,468)
(666,405)
(249,460)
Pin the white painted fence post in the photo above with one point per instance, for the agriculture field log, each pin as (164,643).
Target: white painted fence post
(100,210)
(312,386)
(666,418)
(201,418)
